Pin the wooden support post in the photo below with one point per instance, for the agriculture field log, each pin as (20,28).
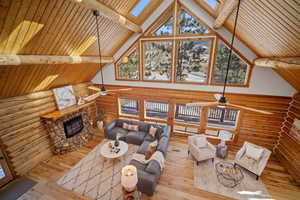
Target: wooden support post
(44,59)
(228,7)
(110,14)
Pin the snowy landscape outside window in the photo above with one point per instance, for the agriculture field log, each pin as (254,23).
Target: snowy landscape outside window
(129,67)
(193,61)
(157,60)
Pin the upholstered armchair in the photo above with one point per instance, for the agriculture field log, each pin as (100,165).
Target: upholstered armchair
(200,148)
(252,157)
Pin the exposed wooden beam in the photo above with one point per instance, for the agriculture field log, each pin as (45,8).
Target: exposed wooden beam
(44,59)
(227,8)
(289,62)
(110,14)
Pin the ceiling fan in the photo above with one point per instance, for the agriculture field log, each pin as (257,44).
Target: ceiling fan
(100,91)
(221,99)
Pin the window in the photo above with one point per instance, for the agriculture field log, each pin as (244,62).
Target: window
(193,61)
(188,24)
(238,68)
(156,110)
(128,107)
(157,60)
(185,129)
(165,29)
(222,118)
(136,11)
(220,134)
(187,115)
(212,3)
(128,67)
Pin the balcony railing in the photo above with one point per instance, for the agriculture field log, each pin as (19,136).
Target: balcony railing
(129,107)
(215,114)
(187,114)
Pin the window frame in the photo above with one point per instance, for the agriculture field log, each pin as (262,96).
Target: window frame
(134,47)
(145,118)
(120,114)
(227,128)
(210,62)
(144,40)
(183,123)
(234,50)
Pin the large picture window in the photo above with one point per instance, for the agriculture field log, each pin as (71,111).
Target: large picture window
(238,69)
(128,107)
(128,66)
(157,60)
(188,24)
(222,118)
(187,114)
(193,60)
(156,110)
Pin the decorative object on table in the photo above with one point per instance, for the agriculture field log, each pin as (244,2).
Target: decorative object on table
(117,140)
(228,175)
(205,178)
(102,182)
(200,148)
(129,178)
(252,157)
(64,97)
(222,148)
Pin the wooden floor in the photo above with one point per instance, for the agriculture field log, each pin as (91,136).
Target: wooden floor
(176,181)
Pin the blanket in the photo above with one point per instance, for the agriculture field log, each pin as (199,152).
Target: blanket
(158,156)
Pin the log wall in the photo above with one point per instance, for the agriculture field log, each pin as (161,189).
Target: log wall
(288,148)
(253,127)
(22,133)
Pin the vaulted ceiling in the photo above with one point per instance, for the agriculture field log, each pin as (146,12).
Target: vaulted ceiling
(271,28)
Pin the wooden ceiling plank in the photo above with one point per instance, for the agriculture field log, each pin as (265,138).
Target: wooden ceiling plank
(268,23)
(227,8)
(289,77)
(110,14)
(63,30)
(45,59)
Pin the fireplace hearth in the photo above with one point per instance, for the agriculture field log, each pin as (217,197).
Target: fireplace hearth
(71,128)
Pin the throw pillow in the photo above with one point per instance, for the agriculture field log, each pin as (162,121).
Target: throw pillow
(133,127)
(201,142)
(125,125)
(150,152)
(152,131)
(253,152)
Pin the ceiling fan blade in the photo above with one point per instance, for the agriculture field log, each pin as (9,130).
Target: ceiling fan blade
(94,88)
(92,97)
(247,108)
(116,90)
(202,104)
(217,96)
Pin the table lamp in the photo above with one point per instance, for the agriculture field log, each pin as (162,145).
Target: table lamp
(129,178)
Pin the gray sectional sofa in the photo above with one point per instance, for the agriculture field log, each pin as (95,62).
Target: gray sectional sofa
(148,175)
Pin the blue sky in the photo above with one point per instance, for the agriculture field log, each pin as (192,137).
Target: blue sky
(136,11)
(212,3)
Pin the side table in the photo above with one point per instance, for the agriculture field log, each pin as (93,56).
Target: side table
(222,151)
(132,195)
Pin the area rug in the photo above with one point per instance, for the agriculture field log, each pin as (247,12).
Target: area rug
(97,177)
(205,178)
(16,188)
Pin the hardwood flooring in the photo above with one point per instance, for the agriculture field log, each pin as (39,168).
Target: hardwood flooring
(176,182)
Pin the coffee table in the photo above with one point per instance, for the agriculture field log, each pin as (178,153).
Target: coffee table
(110,153)
(228,174)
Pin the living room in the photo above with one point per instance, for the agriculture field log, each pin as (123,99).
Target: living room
(149,99)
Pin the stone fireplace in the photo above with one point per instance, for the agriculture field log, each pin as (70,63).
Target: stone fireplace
(70,128)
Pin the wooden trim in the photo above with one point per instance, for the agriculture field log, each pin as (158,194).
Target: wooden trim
(227,9)
(110,14)
(286,62)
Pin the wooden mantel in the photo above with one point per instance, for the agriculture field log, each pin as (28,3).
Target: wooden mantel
(60,113)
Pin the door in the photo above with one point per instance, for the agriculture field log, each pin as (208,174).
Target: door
(5,174)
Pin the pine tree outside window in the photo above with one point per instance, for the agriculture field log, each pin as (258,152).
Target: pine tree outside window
(128,66)
(188,24)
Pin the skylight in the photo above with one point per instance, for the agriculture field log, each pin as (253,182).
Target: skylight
(212,3)
(136,11)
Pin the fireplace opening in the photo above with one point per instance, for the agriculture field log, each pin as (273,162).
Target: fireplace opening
(73,126)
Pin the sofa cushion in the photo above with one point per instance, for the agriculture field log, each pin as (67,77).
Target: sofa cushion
(150,138)
(163,145)
(114,131)
(144,147)
(135,137)
(119,122)
(253,152)
(153,167)
(138,165)
(201,142)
